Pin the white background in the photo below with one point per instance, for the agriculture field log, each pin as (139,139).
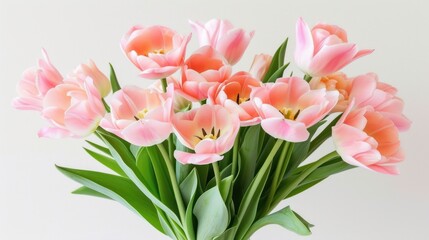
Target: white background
(35,199)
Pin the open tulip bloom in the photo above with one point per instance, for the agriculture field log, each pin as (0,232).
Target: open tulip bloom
(207,152)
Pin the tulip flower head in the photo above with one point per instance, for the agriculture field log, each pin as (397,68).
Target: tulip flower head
(140,116)
(157,50)
(231,42)
(324,49)
(234,94)
(209,130)
(368,139)
(35,84)
(288,107)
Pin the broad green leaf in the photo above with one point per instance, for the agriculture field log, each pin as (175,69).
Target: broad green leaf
(189,188)
(117,188)
(144,165)
(247,157)
(285,218)
(211,213)
(99,147)
(165,188)
(278,74)
(300,149)
(182,170)
(106,161)
(166,224)
(277,62)
(89,192)
(249,204)
(126,161)
(229,234)
(114,80)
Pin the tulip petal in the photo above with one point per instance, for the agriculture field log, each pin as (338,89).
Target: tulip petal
(285,129)
(197,159)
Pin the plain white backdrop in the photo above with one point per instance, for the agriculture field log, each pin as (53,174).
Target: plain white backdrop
(35,199)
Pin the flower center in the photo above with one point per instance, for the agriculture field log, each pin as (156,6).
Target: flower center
(289,113)
(240,100)
(211,135)
(141,114)
(158,51)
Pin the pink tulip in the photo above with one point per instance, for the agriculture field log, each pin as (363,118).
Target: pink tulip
(368,91)
(180,103)
(231,42)
(323,50)
(209,130)
(157,51)
(73,110)
(288,107)
(234,94)
(140,116)
(101,82)
(366,138)
(335,82)
(260,65)
(203,69)
(35,83)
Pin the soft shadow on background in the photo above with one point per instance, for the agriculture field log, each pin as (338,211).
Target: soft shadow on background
(35,200)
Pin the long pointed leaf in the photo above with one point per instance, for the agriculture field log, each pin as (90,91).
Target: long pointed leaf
(126,161)
(106,161)
(117,188)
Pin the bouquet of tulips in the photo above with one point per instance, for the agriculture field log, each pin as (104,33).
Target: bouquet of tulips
(208,153)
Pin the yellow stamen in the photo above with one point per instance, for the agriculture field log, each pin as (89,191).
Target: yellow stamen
(142,114)
(289,113)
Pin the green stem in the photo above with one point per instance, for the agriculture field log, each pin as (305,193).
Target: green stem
(164,84)
(235,156)
(216,173)
(276,178)
(176,189)
(255,183)
(280,196)
(307,78)
(170,147)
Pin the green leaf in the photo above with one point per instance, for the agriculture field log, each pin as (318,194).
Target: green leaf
(277,62)
(89,192)
(285,218)
(126,161)
(247,157)
(106,161)
(113,79)
(144,166)
(99,147)
(211,213)
(227,235)
(165,188)
(189,188)
(323,136)
(182,170)
(333,167)
(278,73)
(300,149)
(117,188)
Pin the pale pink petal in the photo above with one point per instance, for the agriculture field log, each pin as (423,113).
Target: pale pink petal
(197,159)
(147,132)
(285,129)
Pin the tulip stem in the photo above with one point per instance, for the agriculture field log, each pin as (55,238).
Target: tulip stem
(307,77)
(257,181)
(174,183)
(280,169)
(164,84)
(216,173)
